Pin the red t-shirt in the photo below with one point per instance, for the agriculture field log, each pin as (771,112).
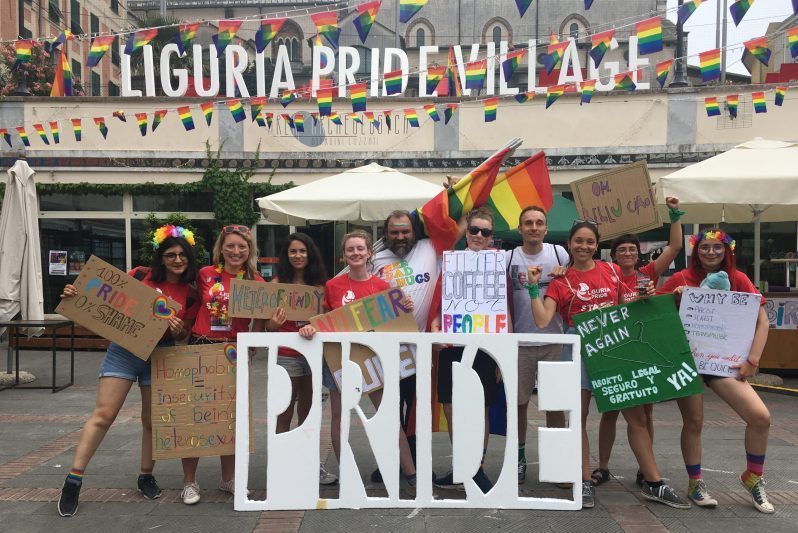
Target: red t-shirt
(581,291)
(176,291)
(342,290)
(629,283)
(739,283)
(213,320)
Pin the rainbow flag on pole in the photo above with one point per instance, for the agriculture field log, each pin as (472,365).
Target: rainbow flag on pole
(408,9)
(588,88)
(475,74)
(709,63)
(432,111)
(624,81)
(207,112)
(434,77)
(411,117)
(759,102)
(157,117)
(367,13)
(738,10)
(732,102)
(357,93)
(139,39)
(268,30)
(449,112)
(186,35)
(523,5)
(227,30)
(77,128)
(711,105)
(256,104)
(687,9)
(141,120)
(525,184)
(43,134)
(54,132)
(510,64)
(553,94)
(490,106)
(649,36)
(393,82)
(600,43)
(792,41)
(99,46)
(62,82)
(663,68)
(554,55)
(23,135)
(100,123)
(781,92)
(327,24)
(6,136)
(236,109)
(185,117)
(759,49)
(24,48)
(324,98)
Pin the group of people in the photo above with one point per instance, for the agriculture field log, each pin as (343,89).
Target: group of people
(549,286)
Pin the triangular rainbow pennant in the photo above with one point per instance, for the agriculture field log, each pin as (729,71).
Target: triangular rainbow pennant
(432,111)
(185,117)
(141,120)
(54,132)
(738,10)
(600,43)
(43,134)
(732,101)
(553,93)
(6,136)
(64,36)
(781,92)
(288,119)
(649,36)
(588,88)
(236,109)
(523,5)
(269,118)
(387,115)
(256,104)
(624,81)
(663,68)
(327,24)
(23,135)
(792,40)
(268,30)
(393,82)
(355,117)
(411,117)
(289,95)
(335,118)
(299,122)
(207,111)
(511,63)
(120,114)
(711,105)
(475,74)
(408,9)
(186,35)
(759,49)
(365,19)
(687,9)
(227,30)
(434,77)
(357,93)
(139,39)
(554,55)
(759,102)
(490,107)
(709,62)
(373,121)
(449,112)
(523,98)
(100,123)
(157,117)
(324,98)
(77,128)
(99,46)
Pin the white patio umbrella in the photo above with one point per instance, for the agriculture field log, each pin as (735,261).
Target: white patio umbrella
(756,181)
(363,194)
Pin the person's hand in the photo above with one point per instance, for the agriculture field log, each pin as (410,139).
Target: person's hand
(745,370)
(558,271)
(408,302)
(672,202)
(651,290)
(307,331)
(450,182)
(175,326)
(277,320)
(533,274)
(69,291)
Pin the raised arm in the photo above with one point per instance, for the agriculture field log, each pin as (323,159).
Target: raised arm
(675,240)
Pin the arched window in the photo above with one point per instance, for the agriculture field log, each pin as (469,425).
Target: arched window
(292,38)
(420,37)
(420,33)
(497,30)
(497,35)
(573,31)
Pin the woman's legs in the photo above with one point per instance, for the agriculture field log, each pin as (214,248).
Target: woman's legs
(335,422)
(147,462)
(640,442)
(405,455)
(607,425)
(304,397)
(284,418)
(585,442)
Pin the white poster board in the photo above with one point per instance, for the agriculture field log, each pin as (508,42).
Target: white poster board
(720,328)
(782,312)
(474,292)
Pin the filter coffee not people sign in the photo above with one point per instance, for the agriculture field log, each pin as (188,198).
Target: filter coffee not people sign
(474,292)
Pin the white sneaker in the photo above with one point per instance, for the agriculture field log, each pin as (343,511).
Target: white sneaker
(325,477)
(229,486)
(191,493)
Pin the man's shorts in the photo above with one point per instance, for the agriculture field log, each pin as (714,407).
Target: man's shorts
(528,357)
(484,365)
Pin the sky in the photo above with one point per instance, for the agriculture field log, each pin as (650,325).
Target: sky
(702,28)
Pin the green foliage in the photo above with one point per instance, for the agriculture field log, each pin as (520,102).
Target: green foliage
(232,192)
(176,219)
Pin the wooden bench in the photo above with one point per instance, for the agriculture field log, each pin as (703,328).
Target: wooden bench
(84,340)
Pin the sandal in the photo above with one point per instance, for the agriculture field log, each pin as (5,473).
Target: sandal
(599,476)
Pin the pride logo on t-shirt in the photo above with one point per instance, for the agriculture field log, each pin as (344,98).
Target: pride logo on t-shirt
(399,274)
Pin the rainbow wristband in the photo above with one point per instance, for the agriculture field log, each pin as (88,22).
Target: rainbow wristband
(675,214)
(533,290)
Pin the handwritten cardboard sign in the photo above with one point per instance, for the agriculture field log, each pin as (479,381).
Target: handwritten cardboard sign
(474,292)
(194,401)
(255,299)
(720,327)
(380,312)
(620,201)
(119,308)
(782,312)
(637,353)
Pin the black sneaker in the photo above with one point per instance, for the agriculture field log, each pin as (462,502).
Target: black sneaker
(521,471)
(148,487)
(447,482)
(70,494)
(482,481)
(664,494)
(639,478)
(376,476)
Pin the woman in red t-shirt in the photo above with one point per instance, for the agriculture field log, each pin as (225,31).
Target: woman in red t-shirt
(234,256)
(625,252)
(713,251)
(589,284)
(172,272)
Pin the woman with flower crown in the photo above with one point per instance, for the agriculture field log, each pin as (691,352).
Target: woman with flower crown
(234,256)
(713,263)
(172,272)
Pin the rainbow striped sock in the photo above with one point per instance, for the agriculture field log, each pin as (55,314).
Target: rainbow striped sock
(693,471)
(75,475)
(755,469)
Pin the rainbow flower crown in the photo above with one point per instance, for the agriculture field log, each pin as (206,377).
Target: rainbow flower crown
(169,230)
(716,235)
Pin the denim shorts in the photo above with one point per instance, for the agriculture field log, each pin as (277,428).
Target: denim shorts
(120,363)
(327,378)
(296,365)
(567,355)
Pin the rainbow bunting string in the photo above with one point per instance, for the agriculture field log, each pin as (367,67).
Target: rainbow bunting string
(393,82)
(256,104)
(299,122)
(408,9)
(510,64)
(663,68)
(490,106)
(288,119)
(711,105)
(411,117)
(268,30)
(324,98)
(157,117)
(370,117)
(236,109)
(43,134)
(759,49)
(227,30)
(475,74)
(732,102)
(99,46)
(781,92)
(139,39)
(6,136)
(24,49)
(269,118)
(555,53)
(357,93)
(709,63)
(523,5)
(553,93)
(600,43)
(792,41)
(23,135)
(588,88)
(54,132)
(327,25)
(77,128)
(120,114)
(523,98)
(335,118)
(141,120)
(759,102)
(687,9)
(432,111)
(367,13)
(625,82)
(434,77)
(288,96)
(355,117)
(185,117)
(62,81)
(449,112)
(207,112)
(387,115)
(100,123)
(186,35)
(649,36)
(738,10)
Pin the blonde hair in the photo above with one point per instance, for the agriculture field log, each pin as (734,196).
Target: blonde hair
(251,264)
(358,234)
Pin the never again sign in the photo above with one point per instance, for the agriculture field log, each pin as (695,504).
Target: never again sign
(637,353)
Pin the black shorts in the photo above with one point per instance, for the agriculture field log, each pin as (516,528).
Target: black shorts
(484,365)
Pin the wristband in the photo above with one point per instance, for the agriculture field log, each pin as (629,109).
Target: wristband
(752,364)
(533,290)
(675,214)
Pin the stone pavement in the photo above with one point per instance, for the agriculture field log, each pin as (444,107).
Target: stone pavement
(39,431)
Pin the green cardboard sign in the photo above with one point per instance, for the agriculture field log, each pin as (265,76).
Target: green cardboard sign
(637,353)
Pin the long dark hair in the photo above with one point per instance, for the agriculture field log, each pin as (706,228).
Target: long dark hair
(158,269)
(315,274)
(576,227)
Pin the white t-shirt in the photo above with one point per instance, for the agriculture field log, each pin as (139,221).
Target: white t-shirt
(416,275)
(518,261)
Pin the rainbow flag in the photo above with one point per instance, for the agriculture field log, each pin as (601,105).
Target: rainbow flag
(554,55)
(759,49)
(64,36)
(185,117)
(260,120)
(24,49)
(711,104)
(357,93)
(432,111)
(327,25)
(393,82)
(288,119)
(523,5)
(449,112)
(732,101)
(256,104)
(269,118)
(367,13)
(207,111)
(355,117)
(781,92)
(490,107)
(649,36)
(299,122)
(62,82)
(434,77)
(227,30)
(185,35)
(324,98)
(387,115)
(553,93)
(663,68)
(624,81)
(439,217)
(408,8)
(335,119)
(411,117)
(370,117)
(54,132)
(709,62)
(77,129)
(792,40)
(141,120)
(120,114)
(140,38)
(511,63)
(588,3)
(523,98)
(6,136)
(157,117)
(236,109)
(268,30)
(288,96)
(100,123)
(759,102)
(738,10)
(588,88)
(525,184)
(43,134)
(600,43)
(687,9)
(99,46)
(23,135)
(475,74)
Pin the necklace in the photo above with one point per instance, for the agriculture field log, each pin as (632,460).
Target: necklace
(220,268)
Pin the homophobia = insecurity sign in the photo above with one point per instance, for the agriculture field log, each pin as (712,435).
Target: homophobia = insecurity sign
(637,353)
(255,299)
(474,292)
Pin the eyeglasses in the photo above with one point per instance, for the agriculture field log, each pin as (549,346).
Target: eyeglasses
(171,256)
(626,251)
(473,230)
(706,248)
(236,229)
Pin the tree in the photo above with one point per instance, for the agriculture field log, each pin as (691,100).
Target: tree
(38,72)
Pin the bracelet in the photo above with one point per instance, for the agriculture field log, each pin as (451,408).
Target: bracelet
(533,290)
(675,214)
(752,364)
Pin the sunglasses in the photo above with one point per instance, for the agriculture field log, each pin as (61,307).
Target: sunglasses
(236,229)
(588,222)
(473,230)
(171,256)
